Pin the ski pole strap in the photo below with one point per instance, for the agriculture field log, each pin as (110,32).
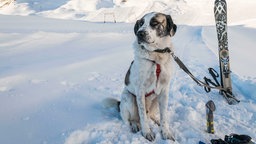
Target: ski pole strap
(209,81)
(214,75)
(199,82)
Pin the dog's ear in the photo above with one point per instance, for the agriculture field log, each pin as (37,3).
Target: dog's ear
(171,27)
(136,26)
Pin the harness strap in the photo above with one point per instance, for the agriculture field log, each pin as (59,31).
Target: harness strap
(158,71)
(150,93)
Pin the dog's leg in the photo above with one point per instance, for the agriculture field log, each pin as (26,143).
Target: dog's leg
(146,131)
(163,103)
(129,111)
(134,115)
(154,109)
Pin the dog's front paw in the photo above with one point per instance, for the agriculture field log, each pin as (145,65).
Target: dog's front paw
(135,126)
(166,134)
(149,135)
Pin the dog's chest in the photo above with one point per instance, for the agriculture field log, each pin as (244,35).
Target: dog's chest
(150,76)
(157,80)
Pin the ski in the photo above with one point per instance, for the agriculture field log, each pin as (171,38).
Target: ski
(220,13)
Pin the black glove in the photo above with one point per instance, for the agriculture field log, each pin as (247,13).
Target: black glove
(238,139)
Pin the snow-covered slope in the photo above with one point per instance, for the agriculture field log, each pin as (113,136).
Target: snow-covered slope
(55,73)
(189,12)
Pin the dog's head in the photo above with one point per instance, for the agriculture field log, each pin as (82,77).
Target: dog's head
(154,29)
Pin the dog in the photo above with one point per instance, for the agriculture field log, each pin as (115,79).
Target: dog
(147,81)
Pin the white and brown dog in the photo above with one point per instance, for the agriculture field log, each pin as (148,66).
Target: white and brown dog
(148,79)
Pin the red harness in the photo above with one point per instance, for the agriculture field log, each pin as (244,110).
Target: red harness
(158,71)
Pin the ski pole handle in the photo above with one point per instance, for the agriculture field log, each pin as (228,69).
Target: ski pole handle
(210,108)
(210,125)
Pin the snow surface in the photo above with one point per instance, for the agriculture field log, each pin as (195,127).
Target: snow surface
(55,73)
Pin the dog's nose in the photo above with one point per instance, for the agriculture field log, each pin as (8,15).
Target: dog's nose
(142,33)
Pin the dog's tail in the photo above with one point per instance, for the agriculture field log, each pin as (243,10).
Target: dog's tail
(111,103)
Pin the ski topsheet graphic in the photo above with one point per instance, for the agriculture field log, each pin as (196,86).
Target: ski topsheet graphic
(220,13)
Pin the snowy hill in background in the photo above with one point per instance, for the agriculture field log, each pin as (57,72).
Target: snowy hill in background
(54,73)
(189,12)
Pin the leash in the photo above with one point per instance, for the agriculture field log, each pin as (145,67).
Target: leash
(207,82)
(199,82)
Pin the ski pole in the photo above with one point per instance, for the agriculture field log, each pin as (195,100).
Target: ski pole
(210,108)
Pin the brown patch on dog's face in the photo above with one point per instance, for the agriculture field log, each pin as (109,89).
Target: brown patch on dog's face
(159,23)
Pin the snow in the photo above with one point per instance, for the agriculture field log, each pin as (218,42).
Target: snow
(54,73)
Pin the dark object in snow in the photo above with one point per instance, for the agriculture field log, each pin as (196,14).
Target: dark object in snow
(218,141)
(210,108)
(200,142)
(238,139)
(234,139)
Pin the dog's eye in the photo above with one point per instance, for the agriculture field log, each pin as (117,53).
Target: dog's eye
(154,23)
(141,22)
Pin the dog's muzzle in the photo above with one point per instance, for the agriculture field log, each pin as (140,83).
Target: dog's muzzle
(143,36)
